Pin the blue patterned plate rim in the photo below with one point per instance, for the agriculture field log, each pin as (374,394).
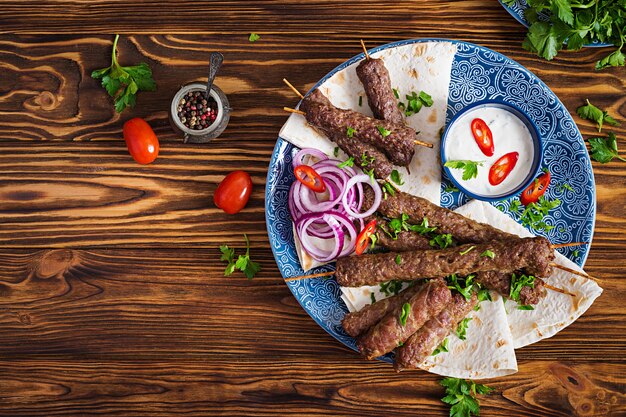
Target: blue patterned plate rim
(519,16)
(280,143)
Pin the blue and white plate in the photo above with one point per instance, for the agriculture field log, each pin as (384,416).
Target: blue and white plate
(517,11)
(478,73)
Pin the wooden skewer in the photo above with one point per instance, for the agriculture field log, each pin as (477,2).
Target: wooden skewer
(571,271)
(318,275)
(567,245)
(557,289)
(419,142)
(367,56)
(294,89)
(290,110)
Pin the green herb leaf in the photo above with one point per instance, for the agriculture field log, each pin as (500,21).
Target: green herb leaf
(441,241)
(443,347)
(123,83)
(372,297)
(384,132)
(615,59)
(468,250)
(423,229)
(591,112)
(515,205)
(523,307)
(450,189)
(388,189)
(366,160)
(395,93)
(350,132)
(396,177)
(374,239)
(461,395)
(483,294)
(398,259)
(347,163)
(253,37)
(576,252)
(336,151)
(243,262)
(392,287)
(464,286)
(534,213)
(566,186)
(604,150)
(461,330)
(404,315)
(488,254)
(470,168)
(518,282)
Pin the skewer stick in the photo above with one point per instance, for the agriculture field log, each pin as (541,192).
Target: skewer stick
(318,275)
(567,245)
(290,110)
(294,89)
(571,271)
(419,142)
(367,56)
(557,289)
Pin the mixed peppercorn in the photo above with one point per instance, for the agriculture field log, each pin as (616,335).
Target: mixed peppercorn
(195,111)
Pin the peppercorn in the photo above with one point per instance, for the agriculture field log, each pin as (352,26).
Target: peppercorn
(195,111)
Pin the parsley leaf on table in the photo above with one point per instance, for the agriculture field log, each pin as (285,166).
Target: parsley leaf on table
(461,395)
(253,37)
(470,168)
(123,83)
(591,112)
(243,262)
(604,150)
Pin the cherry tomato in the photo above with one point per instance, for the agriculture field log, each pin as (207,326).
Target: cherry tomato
(141,141)
(483,136)
(233,192)
(310,178)
(502,168)
(364,237)
(535,190)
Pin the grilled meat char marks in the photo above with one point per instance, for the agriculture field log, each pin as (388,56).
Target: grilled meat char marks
(534,255)
(463,230)
(425,340)
(390,332)
(375,78)
(398,145)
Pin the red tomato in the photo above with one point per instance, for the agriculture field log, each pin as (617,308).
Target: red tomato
(483,136)
(535,190)
(364,237)
(233,192)
(502,168)
(141,141)
(310,178)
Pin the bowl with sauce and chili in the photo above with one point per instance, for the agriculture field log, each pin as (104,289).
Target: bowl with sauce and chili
(491,150)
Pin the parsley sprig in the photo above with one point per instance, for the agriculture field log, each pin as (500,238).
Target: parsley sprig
(243,262)
(591,112)
(461,330)
(392,287)
(604,150)
(518,282)
(123,83)
(415,102)
(470,168)
(401,224)
(534,213)
(443,347)
(461,395)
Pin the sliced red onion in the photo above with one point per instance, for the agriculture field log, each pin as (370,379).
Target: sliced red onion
(320,254)
(316,153)
(358,179)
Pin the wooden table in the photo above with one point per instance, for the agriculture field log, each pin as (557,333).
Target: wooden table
(112,295)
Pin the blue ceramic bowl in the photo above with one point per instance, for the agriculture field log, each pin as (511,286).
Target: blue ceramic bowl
(535,136)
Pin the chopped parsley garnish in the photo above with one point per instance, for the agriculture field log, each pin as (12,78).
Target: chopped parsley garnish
(395,93)
(488,254)
(461,330)
(374,239)
(404,315)
(515,205)
(443,241)
(388,189)
(443,347)
(347,163)
(398,259)
(423,228)
(384,132)
(518,282)
(253,37)
(336,151)
(591,112)
(534,213)
(372,297)
(576,252)
(450,189)
(565,186)
(401,223)
(366,160)
(483,295)
(370,172)
(350,131)
(461,395)
(396,177)
(415,102)
(392,287)
(523,307)
(470,168)
(604,150)
(243,262)
(468,250)
(464,286)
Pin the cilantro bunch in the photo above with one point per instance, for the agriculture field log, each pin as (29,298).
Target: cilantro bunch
(574,23)
(123,83)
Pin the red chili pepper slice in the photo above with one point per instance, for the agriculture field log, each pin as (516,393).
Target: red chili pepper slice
(364,237)
(483,136)
(502,168)
(535,190)
(310,178)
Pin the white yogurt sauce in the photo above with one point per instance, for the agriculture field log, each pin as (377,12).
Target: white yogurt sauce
(509,133)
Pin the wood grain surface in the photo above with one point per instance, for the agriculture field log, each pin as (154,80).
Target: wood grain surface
(112,295)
